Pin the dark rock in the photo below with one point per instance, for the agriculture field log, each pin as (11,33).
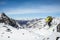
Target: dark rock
(4,26)
(53,30)
(29,26)
(47,38)
(5,19)
(23,33)
(8,36)
(57,38)
(8,30)
(58,28)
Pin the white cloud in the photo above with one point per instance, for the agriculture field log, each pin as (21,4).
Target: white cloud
(42,9)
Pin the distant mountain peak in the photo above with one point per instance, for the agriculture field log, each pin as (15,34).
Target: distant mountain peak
(5,19)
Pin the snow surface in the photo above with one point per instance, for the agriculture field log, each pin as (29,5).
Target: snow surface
(38,33)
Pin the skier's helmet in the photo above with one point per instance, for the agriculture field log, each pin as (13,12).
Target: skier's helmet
(48,19)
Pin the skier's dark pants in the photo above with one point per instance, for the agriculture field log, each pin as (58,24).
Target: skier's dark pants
(49,23)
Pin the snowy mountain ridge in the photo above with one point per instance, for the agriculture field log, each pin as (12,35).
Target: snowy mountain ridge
(33,30)
(9,21)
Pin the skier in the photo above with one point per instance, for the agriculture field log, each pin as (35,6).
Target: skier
(49,20)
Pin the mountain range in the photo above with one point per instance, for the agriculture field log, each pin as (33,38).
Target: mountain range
(35,29)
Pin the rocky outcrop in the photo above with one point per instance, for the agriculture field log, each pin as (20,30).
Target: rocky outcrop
(58,28)
(5,19)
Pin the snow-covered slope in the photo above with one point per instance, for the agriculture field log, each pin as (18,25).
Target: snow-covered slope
(14,34)
(44,33)
(36,30)
(39,23)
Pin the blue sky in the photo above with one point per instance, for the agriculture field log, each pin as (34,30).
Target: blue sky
(30,9)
